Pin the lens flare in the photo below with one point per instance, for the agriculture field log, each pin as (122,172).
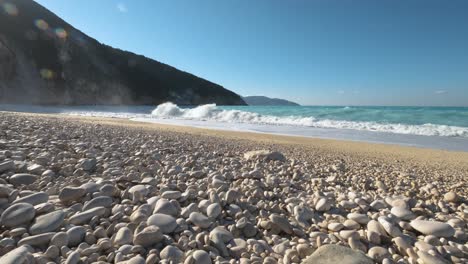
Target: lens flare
(41,24)
(47,74)
(61,33)
(10,9)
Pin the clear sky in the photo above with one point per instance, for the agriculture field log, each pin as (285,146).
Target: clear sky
(332,52)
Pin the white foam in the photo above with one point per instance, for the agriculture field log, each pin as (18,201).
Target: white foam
(212,113)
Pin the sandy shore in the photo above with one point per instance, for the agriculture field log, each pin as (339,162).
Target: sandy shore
(111,190)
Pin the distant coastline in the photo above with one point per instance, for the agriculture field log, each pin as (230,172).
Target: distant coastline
(263,100)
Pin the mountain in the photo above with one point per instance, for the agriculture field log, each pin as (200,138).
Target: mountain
(263,100)
(44,60)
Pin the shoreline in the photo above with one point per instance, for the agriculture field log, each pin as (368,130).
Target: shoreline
(429,156)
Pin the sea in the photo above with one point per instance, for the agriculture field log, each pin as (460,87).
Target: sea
(427,127)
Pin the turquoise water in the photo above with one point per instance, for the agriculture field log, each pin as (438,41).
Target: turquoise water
(425,121)
(450,116)
(431,127)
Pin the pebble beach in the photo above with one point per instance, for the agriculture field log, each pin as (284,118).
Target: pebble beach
(106,190)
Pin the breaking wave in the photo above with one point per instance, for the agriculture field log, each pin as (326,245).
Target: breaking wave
(210,112)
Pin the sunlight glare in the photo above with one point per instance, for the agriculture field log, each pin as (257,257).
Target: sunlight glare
(47,74)
(10,9)
(61,33)
(41,24)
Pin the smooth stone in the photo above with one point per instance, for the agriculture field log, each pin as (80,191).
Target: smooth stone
(402,244)
(378,205)
(88,164)
(166,223)
(332,254)
(5,191)
(281,248)
(71,194)
(48,173)
(335,227)
(34,199)
(351,224)
(304,250)
(359,218)
(18,231)
(380,185)
(18,255)
(435,228)
(52,252)
(47,223)
(85,217)
(101,201)
(347,234)
(237,251)
(403,213)
(37,240)
(136,260)
(124,236)
(7,166)
(376,227)
(44,208)
(17,215)
(264,155)
(76,235)
(172,254)
(389,227)
(125,249)
(140,190)
(220,236)
(149,236)
(201,257)
(231,196)
(373,237)
(421,245)
(171,195)
(451,197)
(60,239)
(282,223)
(22,179)
(193,207)
(199,220)
(378,253)
(322,205)
(164,206)
(430,259)
(7,243)
(213,210)
(249,230)
(73,258)
(396,201)
(35,168)
(91,187)
(222,233)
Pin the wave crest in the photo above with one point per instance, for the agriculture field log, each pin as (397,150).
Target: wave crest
(213,113)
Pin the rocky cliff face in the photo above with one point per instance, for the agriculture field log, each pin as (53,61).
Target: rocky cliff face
(44,60)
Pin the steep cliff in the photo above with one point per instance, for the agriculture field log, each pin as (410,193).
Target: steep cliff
(44,60)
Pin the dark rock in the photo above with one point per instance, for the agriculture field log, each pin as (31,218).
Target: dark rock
(64,66)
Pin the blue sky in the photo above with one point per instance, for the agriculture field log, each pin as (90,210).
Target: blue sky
(332,52)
